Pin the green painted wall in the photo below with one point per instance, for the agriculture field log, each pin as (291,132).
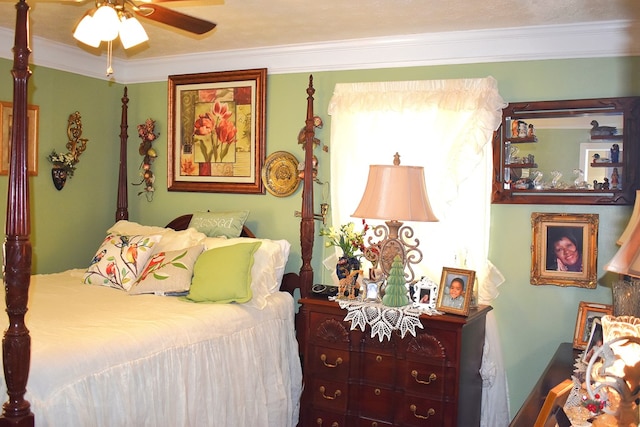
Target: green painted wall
(68,225)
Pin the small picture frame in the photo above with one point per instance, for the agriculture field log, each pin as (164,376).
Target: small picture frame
(425,293)
(373,289)
(587,313)
(556,398)
(596,339)
(454,292)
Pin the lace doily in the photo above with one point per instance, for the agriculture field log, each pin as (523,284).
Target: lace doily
(382,319)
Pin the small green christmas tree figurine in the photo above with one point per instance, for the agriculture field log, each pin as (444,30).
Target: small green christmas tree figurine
(395,294)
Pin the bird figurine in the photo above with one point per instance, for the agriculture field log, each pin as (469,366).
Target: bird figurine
(597,130)
(317,123)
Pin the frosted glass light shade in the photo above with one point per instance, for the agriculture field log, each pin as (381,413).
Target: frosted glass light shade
(106,23)
(131,32)
(395,192)
(86,33)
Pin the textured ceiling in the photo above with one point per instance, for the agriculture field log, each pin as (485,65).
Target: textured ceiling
(246,24)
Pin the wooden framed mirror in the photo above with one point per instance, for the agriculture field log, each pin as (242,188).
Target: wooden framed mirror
(582,152)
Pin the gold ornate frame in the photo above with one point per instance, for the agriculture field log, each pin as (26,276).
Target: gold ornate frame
(584,228)
(448,274)
(586,311)
(199,158)
(6,113)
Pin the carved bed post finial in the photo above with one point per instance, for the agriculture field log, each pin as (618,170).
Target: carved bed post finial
(307,227)
(122,211)
(16,343)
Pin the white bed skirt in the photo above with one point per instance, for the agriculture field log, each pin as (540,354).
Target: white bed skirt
(175,366)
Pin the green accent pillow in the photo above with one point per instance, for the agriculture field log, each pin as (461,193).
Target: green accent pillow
(223,275)
(219,224)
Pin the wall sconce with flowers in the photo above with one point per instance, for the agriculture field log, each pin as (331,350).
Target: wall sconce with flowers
(64,164)
(146,132)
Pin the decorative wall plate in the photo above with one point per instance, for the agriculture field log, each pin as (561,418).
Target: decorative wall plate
(280,174)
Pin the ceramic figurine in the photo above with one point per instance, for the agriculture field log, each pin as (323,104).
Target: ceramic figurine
(598,130)
(615,153)
(615,179)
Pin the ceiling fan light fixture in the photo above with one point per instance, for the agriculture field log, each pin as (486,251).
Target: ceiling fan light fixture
(85,32)
(106,23)
(131,32)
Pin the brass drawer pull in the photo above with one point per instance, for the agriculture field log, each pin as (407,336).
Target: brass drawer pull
(377,392)
(431,412)
(374,424)
(378,358)
(323,357)
(334,424)
(336,394)
(432,377)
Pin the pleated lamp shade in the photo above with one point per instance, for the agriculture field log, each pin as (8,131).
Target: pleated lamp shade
(627,260)
(395,192)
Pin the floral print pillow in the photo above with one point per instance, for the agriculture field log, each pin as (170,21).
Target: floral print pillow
(119,260)
(167,273)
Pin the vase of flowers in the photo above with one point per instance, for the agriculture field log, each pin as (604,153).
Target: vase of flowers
(63,167)
(350,242)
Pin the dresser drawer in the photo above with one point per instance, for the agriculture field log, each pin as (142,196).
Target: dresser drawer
(330,395)
(328,330)
(376,402)
(320,418)
(421,412)
(325,362)
(426,379)
(367,422)
(378,368)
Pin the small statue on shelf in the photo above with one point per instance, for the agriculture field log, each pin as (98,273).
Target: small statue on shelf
(615,179)
(597,130)
(615,153)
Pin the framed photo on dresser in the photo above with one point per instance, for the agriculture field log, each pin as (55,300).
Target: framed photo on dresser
(454,293)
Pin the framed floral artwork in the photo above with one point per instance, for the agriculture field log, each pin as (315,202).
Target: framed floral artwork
(564,249)
(6,124)
(217,131)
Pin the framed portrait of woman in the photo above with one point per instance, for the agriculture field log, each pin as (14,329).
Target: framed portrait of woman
(564,249)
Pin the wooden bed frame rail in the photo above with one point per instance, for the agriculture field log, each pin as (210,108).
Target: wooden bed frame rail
(16,342)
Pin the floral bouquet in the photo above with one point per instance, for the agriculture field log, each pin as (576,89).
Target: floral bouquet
(66,161)
(346,238)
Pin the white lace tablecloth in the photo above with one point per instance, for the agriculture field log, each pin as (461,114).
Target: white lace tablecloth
(382,319)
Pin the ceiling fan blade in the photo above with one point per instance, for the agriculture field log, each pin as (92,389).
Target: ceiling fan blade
(174,19)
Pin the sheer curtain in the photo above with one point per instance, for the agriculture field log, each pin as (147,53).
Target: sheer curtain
(446,126)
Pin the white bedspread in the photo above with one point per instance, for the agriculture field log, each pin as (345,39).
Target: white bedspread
(100,357)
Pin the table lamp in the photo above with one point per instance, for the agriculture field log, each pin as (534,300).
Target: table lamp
(626,262)
(394,193)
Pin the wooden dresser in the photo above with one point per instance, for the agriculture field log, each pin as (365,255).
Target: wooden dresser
(352,380)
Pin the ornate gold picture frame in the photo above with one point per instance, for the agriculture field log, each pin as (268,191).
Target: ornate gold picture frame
(6,123)
(564,249)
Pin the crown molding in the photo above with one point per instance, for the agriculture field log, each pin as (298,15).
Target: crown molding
(592,40)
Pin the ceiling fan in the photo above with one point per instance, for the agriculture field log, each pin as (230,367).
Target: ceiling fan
(112,18)
(149,9)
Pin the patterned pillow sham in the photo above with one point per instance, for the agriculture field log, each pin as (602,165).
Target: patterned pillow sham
(167,272)
(119,260)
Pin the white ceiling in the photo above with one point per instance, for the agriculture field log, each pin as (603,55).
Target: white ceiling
(244,24)
(258,24)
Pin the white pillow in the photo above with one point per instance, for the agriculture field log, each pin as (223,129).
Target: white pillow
(172,240)
(268,267)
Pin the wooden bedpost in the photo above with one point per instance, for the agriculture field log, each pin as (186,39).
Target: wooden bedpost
(307,226)
(123,197)
(16,343)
